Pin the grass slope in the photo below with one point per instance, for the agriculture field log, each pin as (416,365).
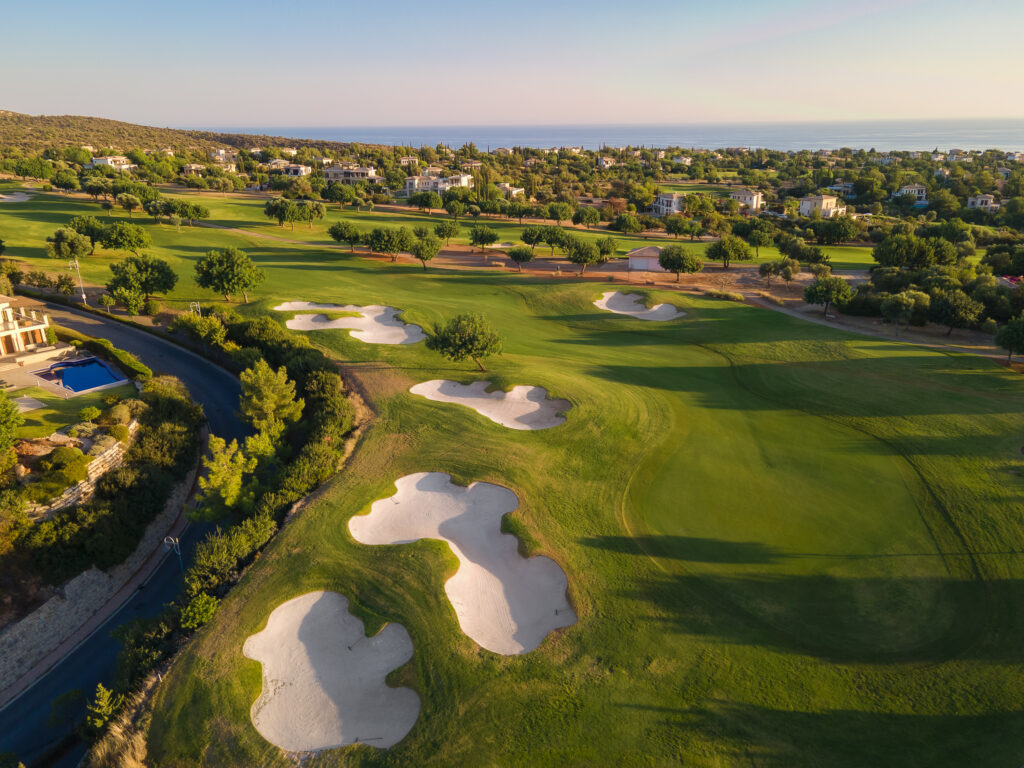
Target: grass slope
(787,546)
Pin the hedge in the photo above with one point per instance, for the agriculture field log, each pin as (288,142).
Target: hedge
(128,362)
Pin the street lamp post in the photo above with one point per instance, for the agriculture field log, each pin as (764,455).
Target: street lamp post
(174,544)
(81,286)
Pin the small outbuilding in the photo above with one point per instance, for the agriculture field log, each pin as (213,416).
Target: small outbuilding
(645,259)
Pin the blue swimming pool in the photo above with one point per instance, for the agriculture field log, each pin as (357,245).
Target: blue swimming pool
(80,375)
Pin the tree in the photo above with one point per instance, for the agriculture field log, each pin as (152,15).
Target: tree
(518,210)
(586,215)
(555,237)
(675,225)
(281,209)
(533,235)
(268,399)
(425,249)
(10,421)
(221,488)
(101,709)
(897,308)
(463,336)
(730,248)
(559,212)
(675,258)
(122,236)
(1011,337)
(90,227)
(759,238)
(944,203)
(955,309)
(345,232)
(455,208)
(67,244)
(425,201)
(520,255)
(310,211)
(582,252)
(828,291)
(128,202)
(199,611)
(228,271)
(447,230)
(143,273)
(390,241)
(627,223)
(607,246)
(482,236)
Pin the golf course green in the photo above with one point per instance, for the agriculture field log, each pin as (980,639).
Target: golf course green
(786,545)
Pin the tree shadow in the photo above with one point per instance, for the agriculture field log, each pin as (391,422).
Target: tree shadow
(688,548)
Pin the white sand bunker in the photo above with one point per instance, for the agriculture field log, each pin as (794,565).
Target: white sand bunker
(15,197)
(630,304)
(376,324)
(323,679)
(506,603)
(521,408)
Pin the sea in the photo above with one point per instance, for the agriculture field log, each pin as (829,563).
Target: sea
(882,135)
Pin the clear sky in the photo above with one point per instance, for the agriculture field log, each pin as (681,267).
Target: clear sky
(449,62)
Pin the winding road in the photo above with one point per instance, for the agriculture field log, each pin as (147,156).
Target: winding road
(24,721)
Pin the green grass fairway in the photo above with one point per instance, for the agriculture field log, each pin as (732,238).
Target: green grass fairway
(60,412)
(788,547)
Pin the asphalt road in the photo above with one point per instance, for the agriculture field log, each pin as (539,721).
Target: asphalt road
(24,726)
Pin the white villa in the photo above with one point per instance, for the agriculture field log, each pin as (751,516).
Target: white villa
(290,151)
(917,191)
(842,188)
(346,174)
(682,160)
(750,199)
(118,162)
(22,329)
(826,205)
(409,160)
(508,190)
(502,151)
(667,203)
(294,169)
(469,165)
(192,169)
(606,162)
(439,184)
(983,202)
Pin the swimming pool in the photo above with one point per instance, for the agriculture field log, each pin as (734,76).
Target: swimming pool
(81,375)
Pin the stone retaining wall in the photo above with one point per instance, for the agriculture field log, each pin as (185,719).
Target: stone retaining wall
(28,641)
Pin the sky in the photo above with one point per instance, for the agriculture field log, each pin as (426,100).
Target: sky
(455,62)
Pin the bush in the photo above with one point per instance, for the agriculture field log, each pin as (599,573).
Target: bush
(727,295)
(102,443)
(990,326)
(61,468)
(119,414)
(152,307)
(89,414)
(107,301)
(199,611)
(119,432)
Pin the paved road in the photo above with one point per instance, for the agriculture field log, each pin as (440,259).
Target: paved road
(23,723)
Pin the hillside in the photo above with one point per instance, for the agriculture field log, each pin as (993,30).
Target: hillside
(33,133)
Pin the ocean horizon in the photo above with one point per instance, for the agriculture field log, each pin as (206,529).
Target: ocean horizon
(883,135)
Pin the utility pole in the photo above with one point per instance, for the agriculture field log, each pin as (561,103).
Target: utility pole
(74,265)
(173,544)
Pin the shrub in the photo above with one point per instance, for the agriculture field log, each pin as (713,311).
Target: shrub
(102,443)
(119,432)
(990,326)
(51,335)
(119,414)
(89,414)
(727,295)
(199,611)
(107,301)
(152,307)
(61,469)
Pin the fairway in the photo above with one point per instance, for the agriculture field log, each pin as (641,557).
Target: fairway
(785,545)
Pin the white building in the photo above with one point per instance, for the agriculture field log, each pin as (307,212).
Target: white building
(667,203)
(644,259)
(826,205)
(842,189)
(409,160)
(502,151)
(469,165)
(118,162)
(917,191)
(682,160)
(439,184)
(750,199)
(192,169)
(348,174)
(606,162)
(290,151)
(294,169)
(509,191)
(983,202)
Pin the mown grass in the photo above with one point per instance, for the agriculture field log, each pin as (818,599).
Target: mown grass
(60,412)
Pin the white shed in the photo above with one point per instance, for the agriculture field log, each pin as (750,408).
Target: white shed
(645,259)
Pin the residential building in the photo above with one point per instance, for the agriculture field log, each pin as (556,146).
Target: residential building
(983,202)
(434,170)
(750,199)
(826,205)
(222,155)
(414,184)
(347,174)
(509,191)
(1005,172)
(606,162)
(469,165)
(682,160)
(942,173)
(938,157)
(842,189)
(119,162)
(22,329)
(289,151)
(192,169)
(409,160)
(668,203)
(503,151)
(918,191)
(914,155)
(573,150)
(958,156)
(532,161)
(277,164)
(659,155)
(1017,157)
(294,169)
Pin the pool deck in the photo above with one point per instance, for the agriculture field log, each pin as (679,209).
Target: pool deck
(14,379)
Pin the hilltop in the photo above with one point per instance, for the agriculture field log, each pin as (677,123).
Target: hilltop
(33,133)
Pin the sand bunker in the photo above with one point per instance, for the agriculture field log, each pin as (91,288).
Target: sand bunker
(521,408)
(633,305)
(376,324)
(15,197)
(323,679)
(506,603)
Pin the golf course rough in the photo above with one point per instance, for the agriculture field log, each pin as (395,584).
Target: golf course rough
(324,680)
(522,407)
(630,304)
(504,602)
(375,323)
